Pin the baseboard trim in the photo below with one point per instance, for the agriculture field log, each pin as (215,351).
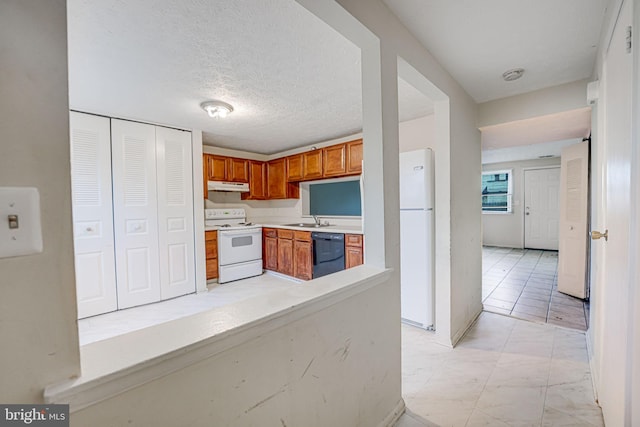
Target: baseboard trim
(392,417)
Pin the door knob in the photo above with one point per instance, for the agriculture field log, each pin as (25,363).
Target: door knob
(595,235)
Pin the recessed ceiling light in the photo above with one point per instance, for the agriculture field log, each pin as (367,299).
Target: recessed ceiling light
(514,74)
(217,109)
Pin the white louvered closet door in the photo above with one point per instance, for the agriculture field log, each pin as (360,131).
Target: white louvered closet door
(135,212)
(175,212)
(92,214)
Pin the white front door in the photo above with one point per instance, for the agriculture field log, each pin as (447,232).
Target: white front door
(574,202)
(175,212)
(92,210)
(614,335)
(542,209)
(135,212)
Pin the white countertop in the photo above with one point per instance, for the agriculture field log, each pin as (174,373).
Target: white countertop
(346,229)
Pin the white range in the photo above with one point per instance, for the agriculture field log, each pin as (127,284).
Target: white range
(239,244)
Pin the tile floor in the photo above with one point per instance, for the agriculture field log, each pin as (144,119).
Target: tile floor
(504,372)
(524,283)
(119,322)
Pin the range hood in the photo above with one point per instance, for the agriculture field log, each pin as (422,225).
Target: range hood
(228,186)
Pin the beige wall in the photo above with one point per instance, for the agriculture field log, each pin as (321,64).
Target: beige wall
(566,97)
(507,230)
(418,133)
(37,309)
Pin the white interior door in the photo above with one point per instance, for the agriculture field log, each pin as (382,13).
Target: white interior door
(175,212)
(135,212)
(542,208)
(572,250)
(92,214)
(615,367)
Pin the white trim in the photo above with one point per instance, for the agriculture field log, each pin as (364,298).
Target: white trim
(509,172)
(392,417)
(189,340)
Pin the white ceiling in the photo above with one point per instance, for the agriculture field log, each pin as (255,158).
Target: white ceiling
(476,41)
(294,81)
(291,79)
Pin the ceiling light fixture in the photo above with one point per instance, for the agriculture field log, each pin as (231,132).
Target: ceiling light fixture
(217,109)
(514,74)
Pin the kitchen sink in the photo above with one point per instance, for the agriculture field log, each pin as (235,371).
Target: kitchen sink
(306,224)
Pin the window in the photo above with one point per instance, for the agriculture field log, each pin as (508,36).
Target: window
(496,191)
(332,197)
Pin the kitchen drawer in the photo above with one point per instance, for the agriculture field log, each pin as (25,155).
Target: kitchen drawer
(269,232)
(285,234)
(210,235)
(212,268)
(302,236)
(353,240)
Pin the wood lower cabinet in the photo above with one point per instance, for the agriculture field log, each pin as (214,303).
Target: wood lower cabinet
(277,185)
(285,252)
(270,249)
(211,246)
(302,255)
(353,250)
(288,252)
(354,157)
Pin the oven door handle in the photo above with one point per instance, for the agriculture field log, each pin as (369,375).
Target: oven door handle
(240,232)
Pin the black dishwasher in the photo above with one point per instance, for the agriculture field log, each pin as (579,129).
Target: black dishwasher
(328,253)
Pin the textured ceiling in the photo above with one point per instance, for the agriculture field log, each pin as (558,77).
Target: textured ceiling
(291,79)
(476,41)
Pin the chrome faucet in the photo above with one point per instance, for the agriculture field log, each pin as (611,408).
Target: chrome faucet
(316,219)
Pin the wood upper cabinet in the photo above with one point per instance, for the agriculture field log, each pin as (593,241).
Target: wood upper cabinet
(205,174)
(303,255)
(216,167)
(354,157)
(211,247)
(237,170)
(353,250)
(304,166)
(334,162)
(285,252)
(295,171)
(270,249)
(312,161)
(277,185)
(257,181)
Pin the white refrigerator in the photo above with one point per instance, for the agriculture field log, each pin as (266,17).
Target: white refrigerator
(417,238)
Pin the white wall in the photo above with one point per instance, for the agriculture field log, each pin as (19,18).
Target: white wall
(457,156)
(337,367)
(418,133)
(566,97)
(37,308)
(507,230)
(39,300)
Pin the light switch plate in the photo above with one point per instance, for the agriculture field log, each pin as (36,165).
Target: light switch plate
(26,239)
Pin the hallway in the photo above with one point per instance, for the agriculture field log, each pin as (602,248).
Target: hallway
(504,372)
(523,283)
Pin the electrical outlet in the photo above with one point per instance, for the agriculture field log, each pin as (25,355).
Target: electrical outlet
(20,228)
